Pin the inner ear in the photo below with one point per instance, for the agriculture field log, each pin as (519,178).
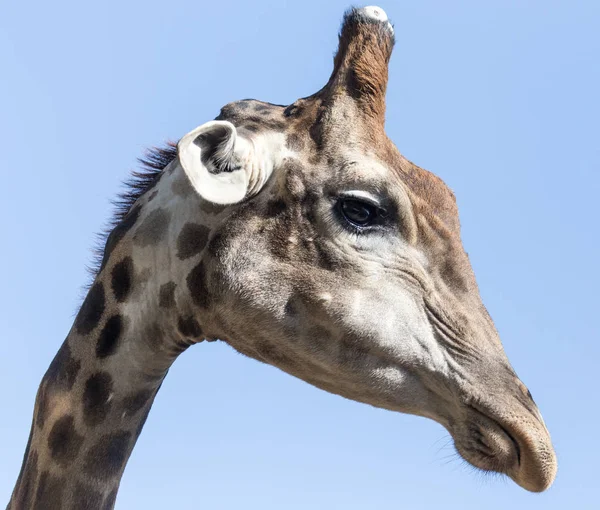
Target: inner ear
(212,156)
(217,149)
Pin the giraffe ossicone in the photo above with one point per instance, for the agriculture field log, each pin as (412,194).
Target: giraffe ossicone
(375,12)
(300,236)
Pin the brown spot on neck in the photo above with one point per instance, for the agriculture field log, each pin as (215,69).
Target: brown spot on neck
(153,228)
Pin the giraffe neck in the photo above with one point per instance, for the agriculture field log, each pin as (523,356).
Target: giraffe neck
(95,397)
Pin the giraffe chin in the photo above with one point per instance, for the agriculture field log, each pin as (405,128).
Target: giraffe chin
(523,454)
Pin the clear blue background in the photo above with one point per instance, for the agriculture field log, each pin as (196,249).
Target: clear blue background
(500,98)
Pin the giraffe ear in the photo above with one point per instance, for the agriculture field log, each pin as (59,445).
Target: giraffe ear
(214,157)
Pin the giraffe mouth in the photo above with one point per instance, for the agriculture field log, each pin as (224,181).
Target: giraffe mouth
(487,444)
(494,444)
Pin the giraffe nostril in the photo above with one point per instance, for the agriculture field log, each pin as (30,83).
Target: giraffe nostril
(525,390)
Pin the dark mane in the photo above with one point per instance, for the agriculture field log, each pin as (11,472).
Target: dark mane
(139,182)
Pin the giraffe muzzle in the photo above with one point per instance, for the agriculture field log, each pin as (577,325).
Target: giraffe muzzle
(510,439)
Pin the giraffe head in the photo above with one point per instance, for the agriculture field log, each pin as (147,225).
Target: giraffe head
(300,236)
(337,260)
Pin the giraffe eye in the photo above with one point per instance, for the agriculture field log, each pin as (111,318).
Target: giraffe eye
(357,212)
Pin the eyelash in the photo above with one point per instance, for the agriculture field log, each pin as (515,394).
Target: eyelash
(349,209)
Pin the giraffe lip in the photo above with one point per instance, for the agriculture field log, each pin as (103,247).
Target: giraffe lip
(507,442)
(487,444)
(514,442)
(496,424)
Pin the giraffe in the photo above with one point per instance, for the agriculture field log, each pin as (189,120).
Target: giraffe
(300,236)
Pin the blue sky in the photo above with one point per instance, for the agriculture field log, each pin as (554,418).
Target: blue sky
(500,98)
